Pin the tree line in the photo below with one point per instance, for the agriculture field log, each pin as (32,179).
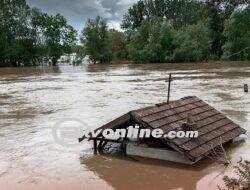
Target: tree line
(173,31)
(152,31)
(28,36)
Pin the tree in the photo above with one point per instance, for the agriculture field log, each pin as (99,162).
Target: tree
(96,40)
(137,47)
(162,41)
(179,13)
(17,37)
(28,35)
(194,44)
(219,11)
(136,14)
(237,34)
(54,35)
(153,41)
(117,44)
(2,34)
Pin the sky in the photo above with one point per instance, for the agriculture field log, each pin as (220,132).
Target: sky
(78,11)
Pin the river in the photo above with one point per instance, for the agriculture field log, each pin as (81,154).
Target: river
(34,99)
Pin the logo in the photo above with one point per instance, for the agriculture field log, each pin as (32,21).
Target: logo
(66,132)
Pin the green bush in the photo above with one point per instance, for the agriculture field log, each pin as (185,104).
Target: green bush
(237,33)
(95,39)
(154,41)
(194,44)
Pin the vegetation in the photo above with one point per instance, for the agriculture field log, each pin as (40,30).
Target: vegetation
(180,31)
(218,11)
(101,44)
(153,41)
(243,181)
(197,30)
(117,44)
(237,34)
(53,35)
(178,12)
(96,40)
(153,31)
(193,44)
(27,35)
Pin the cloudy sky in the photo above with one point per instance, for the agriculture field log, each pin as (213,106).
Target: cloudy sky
(78,11)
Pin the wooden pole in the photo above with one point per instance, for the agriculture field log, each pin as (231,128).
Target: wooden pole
(169,85)
(100,146)
(95,146)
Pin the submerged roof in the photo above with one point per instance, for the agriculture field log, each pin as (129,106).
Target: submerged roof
(214,128)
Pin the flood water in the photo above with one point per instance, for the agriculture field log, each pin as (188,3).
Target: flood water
(32,100)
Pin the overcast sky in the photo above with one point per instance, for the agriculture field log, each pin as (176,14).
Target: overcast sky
(78,11)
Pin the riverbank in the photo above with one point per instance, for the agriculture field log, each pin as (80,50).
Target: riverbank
(189,65)
(198,63)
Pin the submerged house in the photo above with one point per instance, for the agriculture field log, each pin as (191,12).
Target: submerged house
(214,129)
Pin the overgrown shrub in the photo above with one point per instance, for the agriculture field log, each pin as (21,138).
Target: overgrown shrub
(243,181)
(194,44)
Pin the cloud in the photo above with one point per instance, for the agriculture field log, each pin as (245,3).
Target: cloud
(78,11)
(114,25)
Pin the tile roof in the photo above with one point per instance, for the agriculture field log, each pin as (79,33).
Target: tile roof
(214,127)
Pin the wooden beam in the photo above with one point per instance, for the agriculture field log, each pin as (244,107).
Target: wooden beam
(95,146)
(105,140)
(100,146)
(169,85)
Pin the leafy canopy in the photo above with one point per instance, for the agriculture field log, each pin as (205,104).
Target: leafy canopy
(96,40)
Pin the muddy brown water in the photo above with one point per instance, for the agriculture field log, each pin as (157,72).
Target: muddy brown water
(32,100)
